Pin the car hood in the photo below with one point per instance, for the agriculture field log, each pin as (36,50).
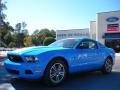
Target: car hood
(35,50)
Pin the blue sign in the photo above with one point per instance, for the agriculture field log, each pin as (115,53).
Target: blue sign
(112,19)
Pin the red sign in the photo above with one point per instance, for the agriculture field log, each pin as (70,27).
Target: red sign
(113,27)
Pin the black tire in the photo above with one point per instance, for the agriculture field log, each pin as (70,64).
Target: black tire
(107,67)
(55,73)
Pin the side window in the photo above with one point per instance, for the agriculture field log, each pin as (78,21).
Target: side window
(88,45)
(92,45)
(84,45)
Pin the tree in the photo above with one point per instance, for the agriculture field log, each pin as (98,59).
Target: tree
(20,34)
(21,27)
(8,38)
(48,40)
(27,41)
(36,32)
(53,33)
(38,37)
(5,33)
(18,28)
(12,44)
(2,15)
(45,33)
(23,24)
(35,41)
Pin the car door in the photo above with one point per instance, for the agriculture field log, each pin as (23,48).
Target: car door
(87,52)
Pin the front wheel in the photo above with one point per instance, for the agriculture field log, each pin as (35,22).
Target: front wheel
(55,73)
(107,67)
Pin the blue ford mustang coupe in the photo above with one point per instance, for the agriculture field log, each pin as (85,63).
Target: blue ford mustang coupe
(54,62)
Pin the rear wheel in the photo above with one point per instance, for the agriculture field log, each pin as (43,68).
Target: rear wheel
(107,68)
(55,73)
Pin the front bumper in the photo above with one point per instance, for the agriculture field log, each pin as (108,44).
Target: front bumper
(24,70)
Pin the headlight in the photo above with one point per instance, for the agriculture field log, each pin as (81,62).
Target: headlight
(31,58)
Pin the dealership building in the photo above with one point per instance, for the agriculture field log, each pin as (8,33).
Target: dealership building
(72,33)
(105,29)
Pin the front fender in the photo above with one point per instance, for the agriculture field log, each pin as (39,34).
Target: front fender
(47,57)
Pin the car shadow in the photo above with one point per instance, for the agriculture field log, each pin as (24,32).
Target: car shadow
(79,81)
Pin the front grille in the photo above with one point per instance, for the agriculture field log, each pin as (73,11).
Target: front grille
(15,58)
(12,71)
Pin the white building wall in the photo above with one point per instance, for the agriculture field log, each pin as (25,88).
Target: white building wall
(72,33)
(93,30)
(101,24)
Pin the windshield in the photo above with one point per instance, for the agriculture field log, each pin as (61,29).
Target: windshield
(66,43)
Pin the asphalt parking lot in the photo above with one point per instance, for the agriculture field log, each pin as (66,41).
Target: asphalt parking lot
(81,81)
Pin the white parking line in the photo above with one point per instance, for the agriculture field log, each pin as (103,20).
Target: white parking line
(117,54)
(1,63)
(6,86)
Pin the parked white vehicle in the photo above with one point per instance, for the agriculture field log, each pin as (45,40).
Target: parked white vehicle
(4,51)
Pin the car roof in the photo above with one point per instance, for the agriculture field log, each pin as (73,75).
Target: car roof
(79,39)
